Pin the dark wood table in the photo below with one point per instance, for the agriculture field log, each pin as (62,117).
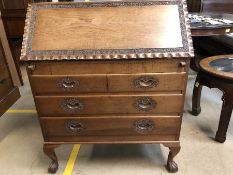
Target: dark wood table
(205,29)
(216,72)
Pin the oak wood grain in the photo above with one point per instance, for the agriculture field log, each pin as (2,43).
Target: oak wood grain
(109,48)
(109,67)
(47,84)
(139,139)
(68,84)
(110,126)
(109,104)
(107,28)
(107,31)
(162,81)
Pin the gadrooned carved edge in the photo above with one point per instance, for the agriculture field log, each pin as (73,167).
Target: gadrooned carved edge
(28,54)
(188,30)
(26,31)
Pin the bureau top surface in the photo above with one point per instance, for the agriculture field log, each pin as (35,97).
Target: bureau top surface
(107,30)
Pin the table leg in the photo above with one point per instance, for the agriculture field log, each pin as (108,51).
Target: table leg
(194,64)
(196,98)
(225,117)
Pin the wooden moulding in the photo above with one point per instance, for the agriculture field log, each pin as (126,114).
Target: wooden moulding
(105,54)
(207,68)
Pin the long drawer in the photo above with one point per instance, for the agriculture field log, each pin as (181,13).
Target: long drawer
(78,128)
(108,83)
(110,104)
(111,67)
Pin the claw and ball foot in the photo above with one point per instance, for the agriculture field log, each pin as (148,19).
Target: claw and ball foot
(49,151)
(171,166)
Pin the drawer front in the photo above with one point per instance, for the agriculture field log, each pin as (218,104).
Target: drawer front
(110,83)
(109,104)
(146,82)
(68,84)
(111,67)
(111,126)
(5,82)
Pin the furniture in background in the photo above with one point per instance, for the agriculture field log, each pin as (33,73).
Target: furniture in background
(218,6)
(203,33)
(124,83)
(217,43)
(216,72)
(9,80)
(210,24)
(13,14)
(194,5)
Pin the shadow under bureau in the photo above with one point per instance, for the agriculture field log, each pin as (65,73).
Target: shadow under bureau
(108,72)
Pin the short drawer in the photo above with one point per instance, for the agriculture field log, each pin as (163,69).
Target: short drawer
(111,126)
(68,84)
(110,104)
(5,82)
(111,67)
(147,82)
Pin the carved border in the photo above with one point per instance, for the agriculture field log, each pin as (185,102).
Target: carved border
(28,54)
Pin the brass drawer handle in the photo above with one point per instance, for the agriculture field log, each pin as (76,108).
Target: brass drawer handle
(145,104)
(75,126)
(2,81)
(182,64)
(67,84)
(146,82)
(72,105)
(31,67)
(144,126)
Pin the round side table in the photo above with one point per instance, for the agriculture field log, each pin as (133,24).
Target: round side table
(216,72)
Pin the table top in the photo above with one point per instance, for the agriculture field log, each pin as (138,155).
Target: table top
(208,24)
(106,30)
(221,66)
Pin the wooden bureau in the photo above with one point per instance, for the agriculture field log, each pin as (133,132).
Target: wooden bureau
(117,75)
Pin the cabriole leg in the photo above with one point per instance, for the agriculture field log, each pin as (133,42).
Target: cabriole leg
(49,151)
(174,149)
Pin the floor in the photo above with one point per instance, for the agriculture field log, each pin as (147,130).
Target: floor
(21,145)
